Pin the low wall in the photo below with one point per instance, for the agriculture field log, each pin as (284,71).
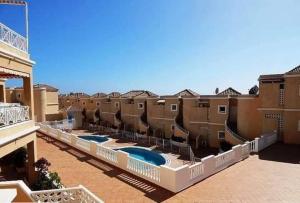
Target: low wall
(73,194)
(263,142)
(173,179)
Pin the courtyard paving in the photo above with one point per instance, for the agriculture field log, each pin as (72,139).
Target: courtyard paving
(271,176)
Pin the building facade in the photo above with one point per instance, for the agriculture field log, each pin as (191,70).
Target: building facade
(208,119)
(17,128)
(45,101)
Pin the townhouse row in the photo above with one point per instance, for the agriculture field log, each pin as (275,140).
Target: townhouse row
(200,119)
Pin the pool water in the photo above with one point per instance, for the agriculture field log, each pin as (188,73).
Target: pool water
(96,138)
(145,155)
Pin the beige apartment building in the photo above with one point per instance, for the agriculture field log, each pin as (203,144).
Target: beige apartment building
(165,115)
(110,110)
(207,119)
(45,101)
(17,128)
(204,116)
(134,110)
(73,99)
(280,105)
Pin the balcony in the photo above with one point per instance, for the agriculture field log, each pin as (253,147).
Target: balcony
(13,42)
(13,113)
(21,193)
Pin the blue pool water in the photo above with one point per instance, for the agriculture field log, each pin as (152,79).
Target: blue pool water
(145,155)
(95,138)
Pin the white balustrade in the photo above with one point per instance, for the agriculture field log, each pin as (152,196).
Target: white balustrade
(12,114)
(196,170)
(143,168)
(12,38)
(66,137)
(253,146)
(84,144)
(75,194)
(106,153)
(53,132)
(225,159)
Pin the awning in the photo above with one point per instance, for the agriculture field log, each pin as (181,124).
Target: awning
(8,73)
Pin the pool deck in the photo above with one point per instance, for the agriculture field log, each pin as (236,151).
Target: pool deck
(270,176)
(173,160)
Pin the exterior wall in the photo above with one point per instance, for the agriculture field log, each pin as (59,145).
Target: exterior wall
(292,93)
(269,124)
(22,196)
(287,125)
(269,94)
(249,119)
(195,118)
(291,127)
(52,103)
(160,116)
(108,109)
(45,103)
(13,50)
(205,122)
(131,113)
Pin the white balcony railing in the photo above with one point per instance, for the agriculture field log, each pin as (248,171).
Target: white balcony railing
(12,38)
(76,194)
(13,113)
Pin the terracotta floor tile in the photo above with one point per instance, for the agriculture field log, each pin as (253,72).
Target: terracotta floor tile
(267,177)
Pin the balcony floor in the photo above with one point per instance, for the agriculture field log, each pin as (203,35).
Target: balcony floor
(260,178)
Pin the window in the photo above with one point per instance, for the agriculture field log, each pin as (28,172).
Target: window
(117,104)
(83,103)
(222,109)
(19,95)
(172,127)
(173,107)
(140,105)
(281,86)
(299,125)
(221,135)
(98,104)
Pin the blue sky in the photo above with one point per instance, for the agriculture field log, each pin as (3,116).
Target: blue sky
(159,45)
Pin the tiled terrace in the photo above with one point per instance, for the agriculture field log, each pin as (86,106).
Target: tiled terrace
(271,176)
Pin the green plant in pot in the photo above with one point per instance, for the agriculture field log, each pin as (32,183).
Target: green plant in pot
(46,180)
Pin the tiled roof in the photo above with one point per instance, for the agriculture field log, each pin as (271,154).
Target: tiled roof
(48,87)
(271,77)
(99,94)
(230,91)
(78,95)
(294,70)
(186,92)
(138,93)
(114,94)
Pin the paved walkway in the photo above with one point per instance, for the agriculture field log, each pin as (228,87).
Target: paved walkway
(272,176)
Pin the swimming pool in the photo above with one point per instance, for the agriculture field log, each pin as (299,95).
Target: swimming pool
(145,155)
(96,138)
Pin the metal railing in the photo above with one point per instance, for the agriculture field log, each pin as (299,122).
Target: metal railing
(12,114)
(12,38)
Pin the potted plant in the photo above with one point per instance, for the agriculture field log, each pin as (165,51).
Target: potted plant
(46,180)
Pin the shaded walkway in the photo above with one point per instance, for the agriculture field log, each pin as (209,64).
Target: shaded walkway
(252,180)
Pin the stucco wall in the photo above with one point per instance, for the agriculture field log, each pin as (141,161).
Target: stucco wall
(248,117)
